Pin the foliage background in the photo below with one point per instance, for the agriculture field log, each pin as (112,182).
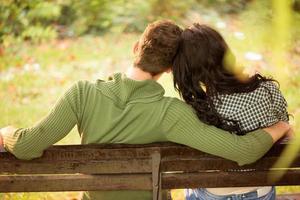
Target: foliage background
(46,45)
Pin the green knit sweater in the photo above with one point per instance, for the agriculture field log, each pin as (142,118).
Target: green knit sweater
(123,110)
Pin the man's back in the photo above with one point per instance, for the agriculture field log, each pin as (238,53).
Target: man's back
(122,111)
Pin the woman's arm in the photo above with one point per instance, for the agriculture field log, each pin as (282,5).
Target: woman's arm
(29,143)
(278,130)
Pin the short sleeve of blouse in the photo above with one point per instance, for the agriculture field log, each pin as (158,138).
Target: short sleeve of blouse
(279,104)
(266,106)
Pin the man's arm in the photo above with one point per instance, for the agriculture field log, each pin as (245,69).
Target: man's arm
(189,130)
(30,143)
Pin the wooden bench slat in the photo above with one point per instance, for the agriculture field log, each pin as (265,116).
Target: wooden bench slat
(94,159)
(91,167)
(133,165)
(208,163)
(295,196)
(227,179)
(77,153)
(123,151)
(53,183)
(129,167)
(80,182)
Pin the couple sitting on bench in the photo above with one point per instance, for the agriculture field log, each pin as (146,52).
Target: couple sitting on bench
(237,119)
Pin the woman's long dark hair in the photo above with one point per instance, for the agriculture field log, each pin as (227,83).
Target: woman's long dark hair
(200,60)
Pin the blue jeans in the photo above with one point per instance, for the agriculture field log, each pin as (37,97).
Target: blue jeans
(203,194)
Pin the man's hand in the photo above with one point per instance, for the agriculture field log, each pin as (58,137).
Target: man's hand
(278,130)
(3,131)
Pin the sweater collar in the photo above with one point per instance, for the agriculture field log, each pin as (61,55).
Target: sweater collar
(124,90)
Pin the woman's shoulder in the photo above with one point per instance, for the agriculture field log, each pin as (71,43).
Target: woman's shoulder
(254,109)
(271,86)
(237,104)
(263,91)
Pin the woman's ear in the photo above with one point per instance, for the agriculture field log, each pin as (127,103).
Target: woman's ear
(135,47)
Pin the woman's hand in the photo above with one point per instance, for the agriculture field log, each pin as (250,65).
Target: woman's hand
(278,130)
(290,133)
(3,131)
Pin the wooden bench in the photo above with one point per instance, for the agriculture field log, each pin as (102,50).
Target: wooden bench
(136,167)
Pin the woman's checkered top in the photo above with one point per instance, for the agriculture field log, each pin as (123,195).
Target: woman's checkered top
(258,109)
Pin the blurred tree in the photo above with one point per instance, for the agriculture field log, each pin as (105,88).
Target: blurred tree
(170,9)
(38,20)
(296,5)
(28,19)
(226,6)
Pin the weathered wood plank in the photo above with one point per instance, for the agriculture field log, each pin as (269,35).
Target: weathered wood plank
(109,151)
(215,163)
(86,153)
(141,181)
(132,165)
(84,167)
(226,179)
(128,167)
(95,159)
(288,196)
(75,182)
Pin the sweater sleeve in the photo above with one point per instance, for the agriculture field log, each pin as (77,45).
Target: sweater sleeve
(182,126)
(29,143)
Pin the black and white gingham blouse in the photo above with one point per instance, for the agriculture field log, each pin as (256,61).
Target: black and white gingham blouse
(258,109)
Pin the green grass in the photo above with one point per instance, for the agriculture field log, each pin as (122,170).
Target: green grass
(27,93)
(34,76)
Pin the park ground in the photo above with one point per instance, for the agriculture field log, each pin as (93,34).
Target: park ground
(34,75)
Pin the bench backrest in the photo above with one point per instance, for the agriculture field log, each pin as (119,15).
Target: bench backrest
(139,167)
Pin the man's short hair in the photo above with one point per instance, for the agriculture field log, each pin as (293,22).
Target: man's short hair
(157,46)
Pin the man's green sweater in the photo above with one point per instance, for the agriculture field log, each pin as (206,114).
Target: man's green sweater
(123,110)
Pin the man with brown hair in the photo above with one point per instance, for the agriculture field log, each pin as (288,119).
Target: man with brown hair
(131,108)
(155,50)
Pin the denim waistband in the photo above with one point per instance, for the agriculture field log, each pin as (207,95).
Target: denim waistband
(203,194)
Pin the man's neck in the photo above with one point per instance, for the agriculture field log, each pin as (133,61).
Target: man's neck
(136,73)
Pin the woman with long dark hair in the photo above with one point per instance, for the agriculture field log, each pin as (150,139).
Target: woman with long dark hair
(204,75)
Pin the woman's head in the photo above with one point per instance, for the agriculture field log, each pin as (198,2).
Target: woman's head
(204,58)
(202,68)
